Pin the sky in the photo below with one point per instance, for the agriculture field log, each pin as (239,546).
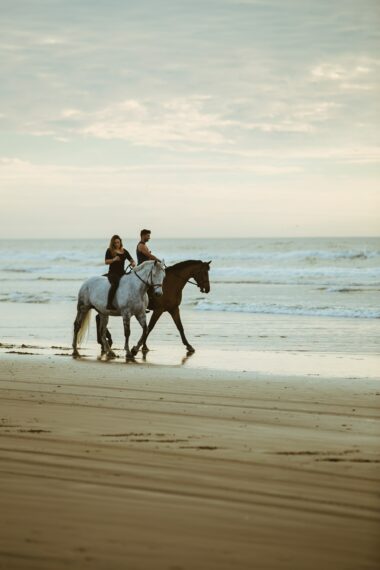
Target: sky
(194,118)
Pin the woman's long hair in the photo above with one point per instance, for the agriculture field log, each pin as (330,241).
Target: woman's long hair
(112,244)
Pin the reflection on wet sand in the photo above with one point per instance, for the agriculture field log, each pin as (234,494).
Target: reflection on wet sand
(188,355)
(294,363)
(183,360)
(265,362)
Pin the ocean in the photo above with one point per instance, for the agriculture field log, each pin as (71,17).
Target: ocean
(270,299)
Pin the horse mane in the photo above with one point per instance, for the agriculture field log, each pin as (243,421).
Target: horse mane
(183,264)
(141,266)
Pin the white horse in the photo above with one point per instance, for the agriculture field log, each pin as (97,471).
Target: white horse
(131,299)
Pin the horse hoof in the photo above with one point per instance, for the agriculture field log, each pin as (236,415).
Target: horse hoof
(111,355)
(144,349)
(103,357)
(129,357)
(134,351)
(190,349)
(75,354)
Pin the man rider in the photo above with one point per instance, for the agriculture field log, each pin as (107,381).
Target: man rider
(143,253)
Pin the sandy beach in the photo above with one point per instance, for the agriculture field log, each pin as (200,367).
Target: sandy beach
(108,465)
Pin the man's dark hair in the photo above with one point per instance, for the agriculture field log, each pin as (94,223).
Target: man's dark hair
(143,232)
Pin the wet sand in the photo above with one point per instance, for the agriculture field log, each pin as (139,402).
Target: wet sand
(107,465)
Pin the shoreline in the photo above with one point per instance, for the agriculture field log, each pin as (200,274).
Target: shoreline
(170,359)
(271,363)
(52,325)
(154,466)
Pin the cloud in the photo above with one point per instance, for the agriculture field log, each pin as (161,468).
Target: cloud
(151,123)
(295,117)
(331,71)
(192,121)
(343,154)
(50,41)
(69,113)
(262,163)
(17,170)
(351,74)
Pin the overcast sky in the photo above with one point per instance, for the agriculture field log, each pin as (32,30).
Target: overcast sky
(190,117)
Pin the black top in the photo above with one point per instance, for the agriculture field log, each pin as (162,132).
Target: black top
(117,267)
(141,257)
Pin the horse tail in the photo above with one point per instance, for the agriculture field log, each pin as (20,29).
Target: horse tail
(84,328)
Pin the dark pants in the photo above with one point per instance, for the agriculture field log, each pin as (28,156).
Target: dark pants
(114,280)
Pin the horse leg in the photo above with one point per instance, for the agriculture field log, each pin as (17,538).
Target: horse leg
(81,314)
(108,334)
(106,350)
(127,333)
(177,319)
(142,320)
(153,319)
(109,337)
(111,353)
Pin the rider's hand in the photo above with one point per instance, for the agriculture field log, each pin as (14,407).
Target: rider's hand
(117,258)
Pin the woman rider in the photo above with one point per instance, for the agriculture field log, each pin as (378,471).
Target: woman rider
(115,257)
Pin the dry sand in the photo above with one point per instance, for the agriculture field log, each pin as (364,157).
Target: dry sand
(114,466)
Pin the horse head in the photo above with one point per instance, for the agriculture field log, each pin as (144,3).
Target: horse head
(201,276)
(158,275)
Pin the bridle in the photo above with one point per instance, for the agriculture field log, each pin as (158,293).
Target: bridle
(151,284)
(195,282)
(201,286)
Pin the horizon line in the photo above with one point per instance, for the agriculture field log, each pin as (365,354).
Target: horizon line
(176,237)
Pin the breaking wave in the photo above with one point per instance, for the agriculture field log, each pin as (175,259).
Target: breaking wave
(340,312)
(42,297)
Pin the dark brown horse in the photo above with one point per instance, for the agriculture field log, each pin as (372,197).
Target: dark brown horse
(175,280)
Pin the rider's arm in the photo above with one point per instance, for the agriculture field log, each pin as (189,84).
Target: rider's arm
(129,257)
(109,259)
(143,248)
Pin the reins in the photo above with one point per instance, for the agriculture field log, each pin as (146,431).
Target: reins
(147,282)
(152,284)
(187,281)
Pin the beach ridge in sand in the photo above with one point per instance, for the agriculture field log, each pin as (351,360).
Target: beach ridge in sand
(146,466)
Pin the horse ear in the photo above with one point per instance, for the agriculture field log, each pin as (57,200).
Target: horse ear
(208,262)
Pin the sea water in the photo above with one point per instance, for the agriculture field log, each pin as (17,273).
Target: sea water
(268,296)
